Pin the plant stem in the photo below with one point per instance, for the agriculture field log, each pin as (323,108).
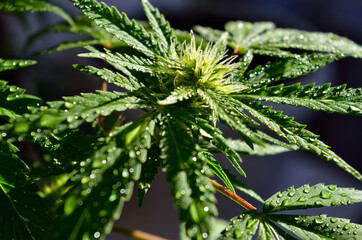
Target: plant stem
(232,195)
(136,234)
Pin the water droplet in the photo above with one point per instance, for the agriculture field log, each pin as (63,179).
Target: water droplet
(319,203)
(355,232)
(122,191)
(92,176)
(205,235)
(280,195)
(334,220)
(4,134)
(319,220)
(302,199)
(346,227)
(344,195)
(350,202)
(287,202)
(335,203)
(307,190)
(325,194)
(291,194)
(206,209)
(97,234)
(332,187)
(194,159)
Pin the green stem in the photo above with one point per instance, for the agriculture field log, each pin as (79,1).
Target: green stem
(232,195)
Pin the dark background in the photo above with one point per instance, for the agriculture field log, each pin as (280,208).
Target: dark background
(54,77)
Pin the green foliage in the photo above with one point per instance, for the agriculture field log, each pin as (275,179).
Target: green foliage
(246,224)
(186,88)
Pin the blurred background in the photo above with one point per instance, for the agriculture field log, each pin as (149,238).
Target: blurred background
(54,77)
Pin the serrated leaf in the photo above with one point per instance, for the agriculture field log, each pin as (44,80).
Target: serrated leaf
(109,76)
(320,98)
(33,6)
(148,173)
(7,64)
(161,27)
(312,41)
(23,214)
(192,191)
(295,133)
(319,227)
(286,68)
(14,102)
(227,112)
(179,94)
(268,149)
(312,197)
(119,25)
(104,183)
(264,39)
(217,170)
(71,113)
(243,227)
(244,34)
(121,61)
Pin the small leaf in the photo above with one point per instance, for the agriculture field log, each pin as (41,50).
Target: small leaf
(312,197)
(243,227)
(7,64)
(119,26)
(319,227)
(33,6)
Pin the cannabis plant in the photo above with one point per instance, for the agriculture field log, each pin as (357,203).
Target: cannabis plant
(187,85)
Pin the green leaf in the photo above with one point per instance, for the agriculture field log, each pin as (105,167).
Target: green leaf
(161,27)
(319,227)
(312,197)
(23,214)
(148,173)
(269,149)
(104,182)
(7,64)
(295,133)
(119,25)
(244,34)
(227,112)
(33,6)
(192,191)
(286,68)
(264,39)
(71,113)
(320,98)
(121,61)
(217,170)
(14,102)
(311,41)
(109,76)
(178,95)
(243,227)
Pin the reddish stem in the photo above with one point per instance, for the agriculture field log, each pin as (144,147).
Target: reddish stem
(232,195)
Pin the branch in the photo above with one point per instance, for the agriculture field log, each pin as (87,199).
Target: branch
(232,195)
(136,234)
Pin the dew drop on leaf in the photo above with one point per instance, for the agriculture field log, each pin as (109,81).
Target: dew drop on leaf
(319,203)
(325,194)
(302,199)
(287,202)
(97,234)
